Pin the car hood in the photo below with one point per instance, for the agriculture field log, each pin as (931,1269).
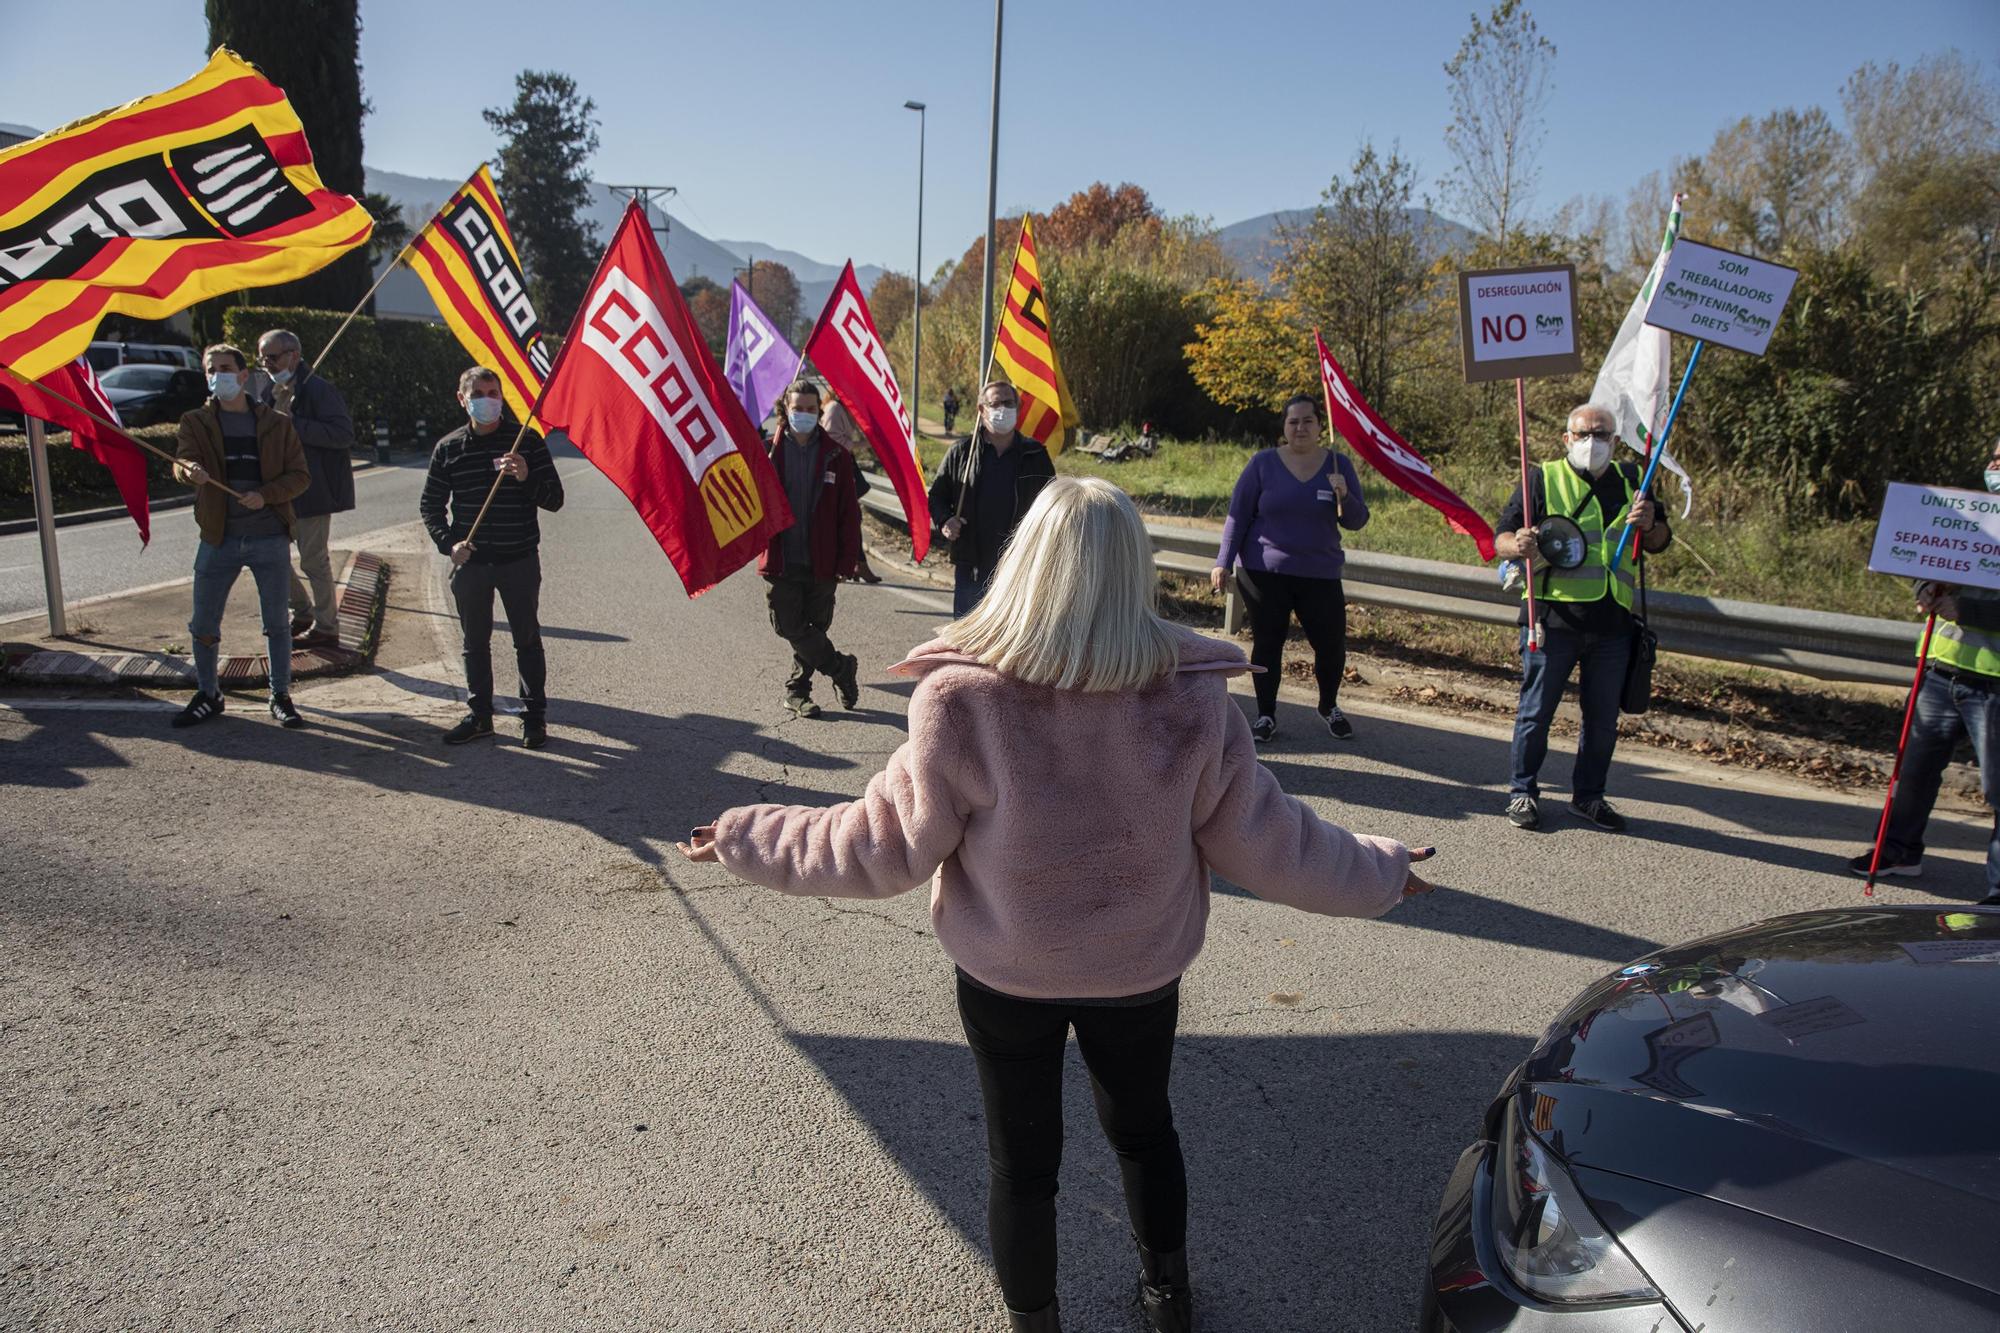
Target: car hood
(121,396)
(1834,1069)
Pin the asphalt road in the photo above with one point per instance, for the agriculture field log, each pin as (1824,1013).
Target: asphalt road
(344,1029)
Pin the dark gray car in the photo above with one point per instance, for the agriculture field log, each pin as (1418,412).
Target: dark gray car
(1791,1126)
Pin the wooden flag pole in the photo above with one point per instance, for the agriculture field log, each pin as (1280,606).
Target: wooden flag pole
(110,425)
(1527,514)
(366,298)
(1902,743)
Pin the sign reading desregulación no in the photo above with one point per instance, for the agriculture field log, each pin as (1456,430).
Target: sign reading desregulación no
(1939,533)
(1517,323)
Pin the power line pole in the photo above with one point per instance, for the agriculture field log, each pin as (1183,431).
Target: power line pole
(992,206)
(648,198)
(917,300)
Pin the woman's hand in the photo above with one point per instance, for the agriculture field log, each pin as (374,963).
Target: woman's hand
(1217,577)
(1339,486)
(701,845)
(1416,883)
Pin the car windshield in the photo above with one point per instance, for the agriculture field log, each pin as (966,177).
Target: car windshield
(153,379)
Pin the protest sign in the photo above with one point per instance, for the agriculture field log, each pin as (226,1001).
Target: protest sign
(1937,532)
(1517,323)
(1720,297)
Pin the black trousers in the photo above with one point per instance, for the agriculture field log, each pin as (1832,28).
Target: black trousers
(1018,1046)
(519,583)
(1321,608)
(802,612)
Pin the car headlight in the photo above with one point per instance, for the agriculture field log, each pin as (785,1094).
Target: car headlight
(1544,1233)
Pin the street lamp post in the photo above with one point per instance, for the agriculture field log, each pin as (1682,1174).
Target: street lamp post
(992,194)
(917,299)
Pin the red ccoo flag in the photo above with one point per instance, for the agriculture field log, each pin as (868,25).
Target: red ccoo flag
(76,381)
(845,348)
(1389,455)
(637,390)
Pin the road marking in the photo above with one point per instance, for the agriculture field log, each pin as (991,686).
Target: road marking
(925,599)
(101,597)
(27,706)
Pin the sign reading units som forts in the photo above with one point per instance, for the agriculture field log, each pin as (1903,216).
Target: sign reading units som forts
(1939,533)
(1721,297)
(1516,323)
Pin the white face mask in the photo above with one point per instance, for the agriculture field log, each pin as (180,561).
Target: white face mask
(802,423)
(281,377)
(1590,455)
(1001,419)
(483,411)
(1993,479)
(225,384)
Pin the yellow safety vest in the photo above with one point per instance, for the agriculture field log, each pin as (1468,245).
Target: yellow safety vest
(1965,648)
(1567,492)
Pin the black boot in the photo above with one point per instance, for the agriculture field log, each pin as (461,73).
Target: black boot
(1043,1320)
(1164,1292)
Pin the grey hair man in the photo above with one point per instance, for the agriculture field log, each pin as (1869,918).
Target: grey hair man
(319,415)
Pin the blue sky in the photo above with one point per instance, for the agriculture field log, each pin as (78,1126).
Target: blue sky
(782,121)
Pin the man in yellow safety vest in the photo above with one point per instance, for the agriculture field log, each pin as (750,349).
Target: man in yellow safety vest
(1960,699)
(1585,609)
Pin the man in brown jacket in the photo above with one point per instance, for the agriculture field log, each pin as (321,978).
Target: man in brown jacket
(247,463)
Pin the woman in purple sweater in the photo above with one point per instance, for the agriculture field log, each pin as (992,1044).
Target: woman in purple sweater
(1284,528)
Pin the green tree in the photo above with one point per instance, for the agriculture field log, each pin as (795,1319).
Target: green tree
(1499,82)
(313,52)
(547,136)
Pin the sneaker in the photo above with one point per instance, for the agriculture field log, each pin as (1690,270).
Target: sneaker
(1337,723)
(1263,729)
(199,709)
(1600,813)
(316,638)
(1890,866)
(471,727)
(1524,812)
(288,716)
(534,732)
(845,682)
(301,622)
(1990,900)
(800,705)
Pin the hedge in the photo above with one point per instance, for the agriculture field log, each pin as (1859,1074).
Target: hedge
(398,370)
(74,472)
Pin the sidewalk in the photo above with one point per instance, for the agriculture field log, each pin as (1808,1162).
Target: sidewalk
(142,639)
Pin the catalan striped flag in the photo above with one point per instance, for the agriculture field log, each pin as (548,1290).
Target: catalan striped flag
(467,259)
(206,188)
(1023,349)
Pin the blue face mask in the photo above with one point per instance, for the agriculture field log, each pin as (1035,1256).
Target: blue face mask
(225,384)
(483,411)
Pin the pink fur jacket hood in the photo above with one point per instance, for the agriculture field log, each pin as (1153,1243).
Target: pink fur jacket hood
(1071,834)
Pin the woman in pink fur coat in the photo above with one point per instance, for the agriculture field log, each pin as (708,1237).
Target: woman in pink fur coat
(1057,735)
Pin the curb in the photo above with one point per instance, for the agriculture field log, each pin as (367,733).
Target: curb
(363,594)
(12,527)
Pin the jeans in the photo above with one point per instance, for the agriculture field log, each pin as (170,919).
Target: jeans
(1018,1047)
(968,585)
(310,535)
(802,613)
(1603,659)
(1947,711)
(269,560)
(1321,608)
(519,583)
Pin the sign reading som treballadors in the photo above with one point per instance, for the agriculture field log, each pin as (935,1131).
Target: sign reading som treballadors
(1721,297)
(1939,533)
(1517,323)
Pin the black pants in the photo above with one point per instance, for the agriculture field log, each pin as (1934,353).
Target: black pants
(1321,608)
(519,583)
(802,612)
(1018,1046)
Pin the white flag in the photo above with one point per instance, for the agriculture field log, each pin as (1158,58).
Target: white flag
(1633,385)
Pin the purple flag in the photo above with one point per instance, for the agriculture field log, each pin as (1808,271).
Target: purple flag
(758,362)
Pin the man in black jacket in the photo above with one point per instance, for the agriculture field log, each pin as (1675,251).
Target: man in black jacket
(319,415)
(505,557)
(983,487)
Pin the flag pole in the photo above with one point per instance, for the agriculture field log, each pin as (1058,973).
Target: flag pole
(45,527)
(1527,514)
(39,387)
(1902,743)
(1326,396)
(968,473)
(367,297)
(1659,452)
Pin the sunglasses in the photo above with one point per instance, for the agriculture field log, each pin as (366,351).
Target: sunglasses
(1604,435)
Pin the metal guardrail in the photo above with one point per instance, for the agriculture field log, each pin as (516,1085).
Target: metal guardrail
(1821,644)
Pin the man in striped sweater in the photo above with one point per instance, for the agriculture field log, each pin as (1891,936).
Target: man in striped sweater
(505,558)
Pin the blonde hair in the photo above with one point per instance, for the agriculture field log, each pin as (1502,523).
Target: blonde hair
(1072,601)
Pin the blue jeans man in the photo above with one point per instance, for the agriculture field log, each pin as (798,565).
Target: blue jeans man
(269,561)
(1602,659)
(1948,710)
(968,584)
